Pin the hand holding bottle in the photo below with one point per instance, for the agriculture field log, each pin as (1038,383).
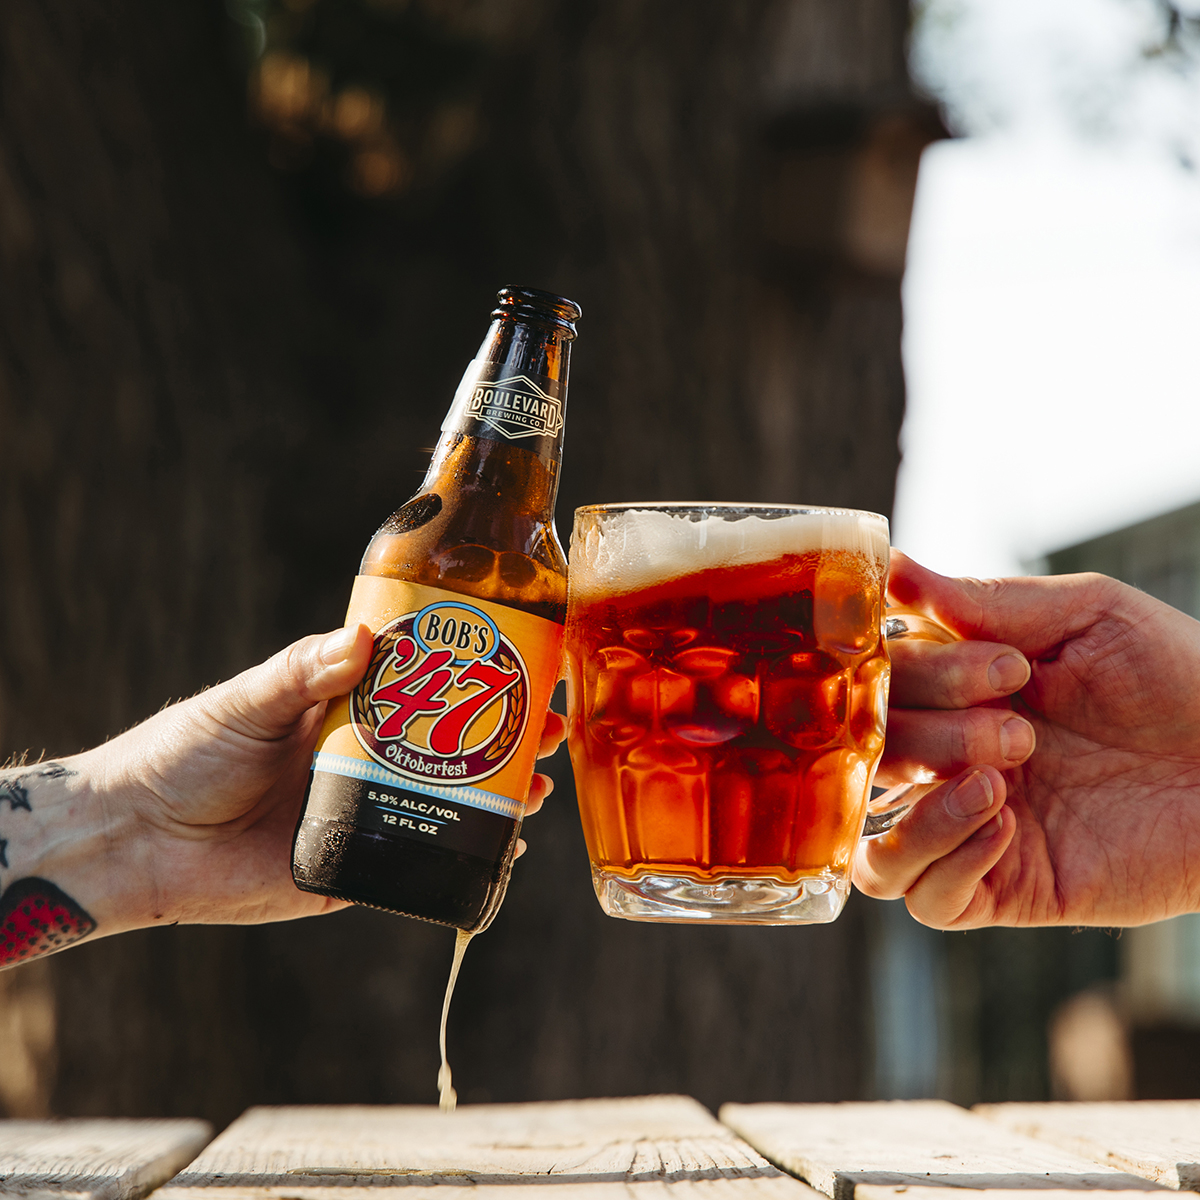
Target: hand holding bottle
(423,773)
(188,817)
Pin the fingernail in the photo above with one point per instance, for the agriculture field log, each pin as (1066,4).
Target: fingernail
(987,829)
(971,796)
(1016,739)
(336,647)
(1008,673)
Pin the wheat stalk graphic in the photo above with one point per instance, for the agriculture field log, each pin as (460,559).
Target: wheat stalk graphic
(360,697)
(510,731)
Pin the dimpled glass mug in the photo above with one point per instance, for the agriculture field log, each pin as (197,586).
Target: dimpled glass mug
(727,676)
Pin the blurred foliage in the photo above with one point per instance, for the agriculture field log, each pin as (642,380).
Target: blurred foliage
(398,133)
(1181,33)
(1106,70)
(383,97)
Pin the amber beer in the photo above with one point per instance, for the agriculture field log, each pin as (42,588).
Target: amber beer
(727,692)
(421,774)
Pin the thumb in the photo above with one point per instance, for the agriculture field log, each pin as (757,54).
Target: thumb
(267,701)
(1033,614)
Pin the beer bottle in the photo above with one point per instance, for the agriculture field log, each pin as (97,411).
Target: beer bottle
(421,774)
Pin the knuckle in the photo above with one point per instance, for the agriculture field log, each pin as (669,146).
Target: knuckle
(939,676)
(972,915)
(930,918)
(955,677)
(988,595)
(291,660)
(294,664)
(948,899)
(870,885)
(1094,580)
(938,907)
(995,589)
(978,739)
(871,880)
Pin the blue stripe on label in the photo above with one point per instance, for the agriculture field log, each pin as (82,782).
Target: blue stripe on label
(357,768)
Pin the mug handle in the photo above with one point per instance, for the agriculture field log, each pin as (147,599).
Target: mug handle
(886,809)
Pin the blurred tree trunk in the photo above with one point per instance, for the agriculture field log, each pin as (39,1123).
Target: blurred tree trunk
(197,358)
(140,386)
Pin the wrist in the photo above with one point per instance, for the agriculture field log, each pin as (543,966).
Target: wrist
(69,854)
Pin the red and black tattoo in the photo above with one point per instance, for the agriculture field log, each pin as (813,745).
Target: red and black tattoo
(36,917)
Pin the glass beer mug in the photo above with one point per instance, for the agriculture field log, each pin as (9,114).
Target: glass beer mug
(727,676)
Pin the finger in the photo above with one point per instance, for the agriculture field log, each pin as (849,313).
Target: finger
(1034,614)
(553,733)
(539,788)
(920,741)
(956,675)
(521,848)
(954,892)
(266,701)
(888,866)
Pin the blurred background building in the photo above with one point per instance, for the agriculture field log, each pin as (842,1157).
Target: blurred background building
(248,249)
(1051,298)
(1157,1001)
(1053,279)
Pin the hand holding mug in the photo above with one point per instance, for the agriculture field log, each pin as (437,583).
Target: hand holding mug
(1092,824)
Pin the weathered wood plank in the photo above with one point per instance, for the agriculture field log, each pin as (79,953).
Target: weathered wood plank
(838,1148)
(649,1146)
(880,1191)
(1157,1139)
(100,1159)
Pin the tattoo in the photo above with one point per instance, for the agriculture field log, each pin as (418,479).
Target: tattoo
(38,918)
(17,794)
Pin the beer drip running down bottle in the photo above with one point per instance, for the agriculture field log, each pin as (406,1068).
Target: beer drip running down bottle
(421,774)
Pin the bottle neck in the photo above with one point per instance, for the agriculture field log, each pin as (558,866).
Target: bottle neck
(503,434)
(493,473)
(522,345)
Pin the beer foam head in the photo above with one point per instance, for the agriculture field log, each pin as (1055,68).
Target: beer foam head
(626,547)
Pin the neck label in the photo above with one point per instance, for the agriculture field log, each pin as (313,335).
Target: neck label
(495,401)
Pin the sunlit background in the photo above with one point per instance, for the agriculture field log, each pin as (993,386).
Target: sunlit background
(1052,355)
(1052,294)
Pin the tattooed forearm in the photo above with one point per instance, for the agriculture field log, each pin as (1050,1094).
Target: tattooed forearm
(38,918)
(16,789)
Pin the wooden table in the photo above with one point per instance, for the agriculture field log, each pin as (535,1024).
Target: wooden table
(644,1148)
(107,1160)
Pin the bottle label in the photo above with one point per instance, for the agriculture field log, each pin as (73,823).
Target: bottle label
(495,401)
(438,740)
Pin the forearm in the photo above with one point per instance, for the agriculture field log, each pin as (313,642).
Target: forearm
(186,818)
(68,859)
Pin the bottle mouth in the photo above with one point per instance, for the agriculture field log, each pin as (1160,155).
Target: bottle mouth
(532,304)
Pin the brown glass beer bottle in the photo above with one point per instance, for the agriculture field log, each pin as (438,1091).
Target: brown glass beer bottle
(420,775)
